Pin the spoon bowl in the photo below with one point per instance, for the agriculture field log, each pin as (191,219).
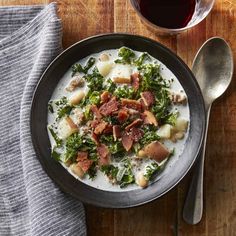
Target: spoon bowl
(213,69)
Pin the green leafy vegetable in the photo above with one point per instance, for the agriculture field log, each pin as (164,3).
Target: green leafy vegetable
(110,86)
(95,81)
(56,155)
(115,147)
(150,135)
(124,92)
(64,111)
(92,171)
(126,55)
(63,108)
(139,61)
(160,108)
(151,78)
(73,143)
(170,118)
(110,170)
(94,98)
(151,170)
(79,68)
(128,176)
(87,113)
(55,137)
(50,107)
(112,120)
(77,142)
(61,102)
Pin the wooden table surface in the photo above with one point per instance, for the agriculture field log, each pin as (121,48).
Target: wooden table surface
(83,18)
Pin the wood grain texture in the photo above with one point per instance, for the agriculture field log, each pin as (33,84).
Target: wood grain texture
(83,18)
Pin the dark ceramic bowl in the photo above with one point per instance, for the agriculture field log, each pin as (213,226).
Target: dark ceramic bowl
(59,174)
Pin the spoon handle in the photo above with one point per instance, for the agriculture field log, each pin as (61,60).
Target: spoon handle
(193,207)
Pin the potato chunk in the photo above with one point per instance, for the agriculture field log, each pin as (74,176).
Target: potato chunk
(104,67)
(77,170)
(66,127)
(141,180)
(165,131)
(76,98)
(181,124)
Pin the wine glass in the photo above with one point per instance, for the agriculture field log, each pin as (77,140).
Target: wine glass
(202,9)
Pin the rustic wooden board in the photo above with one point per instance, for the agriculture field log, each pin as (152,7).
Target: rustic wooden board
(83,18)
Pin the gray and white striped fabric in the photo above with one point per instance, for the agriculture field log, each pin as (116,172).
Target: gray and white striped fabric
(30,204)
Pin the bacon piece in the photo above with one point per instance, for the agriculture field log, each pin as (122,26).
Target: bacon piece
(108,129)
(135,78)
(95,138)
(116,132)
(122,80)
(136,134)
(83,162)
(109,107)
(100,127)
(127,142)
(144,107)
(133,112)
(105,97)
(95,111)
(122,115)
(149,118)
(82,155)
(148,98)
(135,123)
(154,150)
(103,153)
(131,103)
(94,123)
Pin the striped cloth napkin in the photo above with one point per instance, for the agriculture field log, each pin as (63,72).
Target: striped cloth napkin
(30,204)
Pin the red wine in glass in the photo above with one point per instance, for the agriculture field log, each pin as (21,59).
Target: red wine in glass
(172,14)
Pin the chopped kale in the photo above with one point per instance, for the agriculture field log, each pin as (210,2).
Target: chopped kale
(128,176)
(55,137)
(94,98)
(61,102)
(110,86)
(64,111)
(78,68)
(95,81)
(170,118)
(56,155)
(77,142)
(151,170)
(150,135)
(50,107)
(87,113)
(111,120)
(160,108)
(92,171)
(140,60)
(110,171)
(126,55)
(73,143)
(63,108)
(151,78)
(124,92)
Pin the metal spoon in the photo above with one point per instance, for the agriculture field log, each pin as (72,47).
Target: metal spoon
(213,69)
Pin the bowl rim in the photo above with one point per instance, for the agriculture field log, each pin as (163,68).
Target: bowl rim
(169,30)
(66,189)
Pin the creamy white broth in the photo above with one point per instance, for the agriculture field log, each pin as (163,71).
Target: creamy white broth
(101,181)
